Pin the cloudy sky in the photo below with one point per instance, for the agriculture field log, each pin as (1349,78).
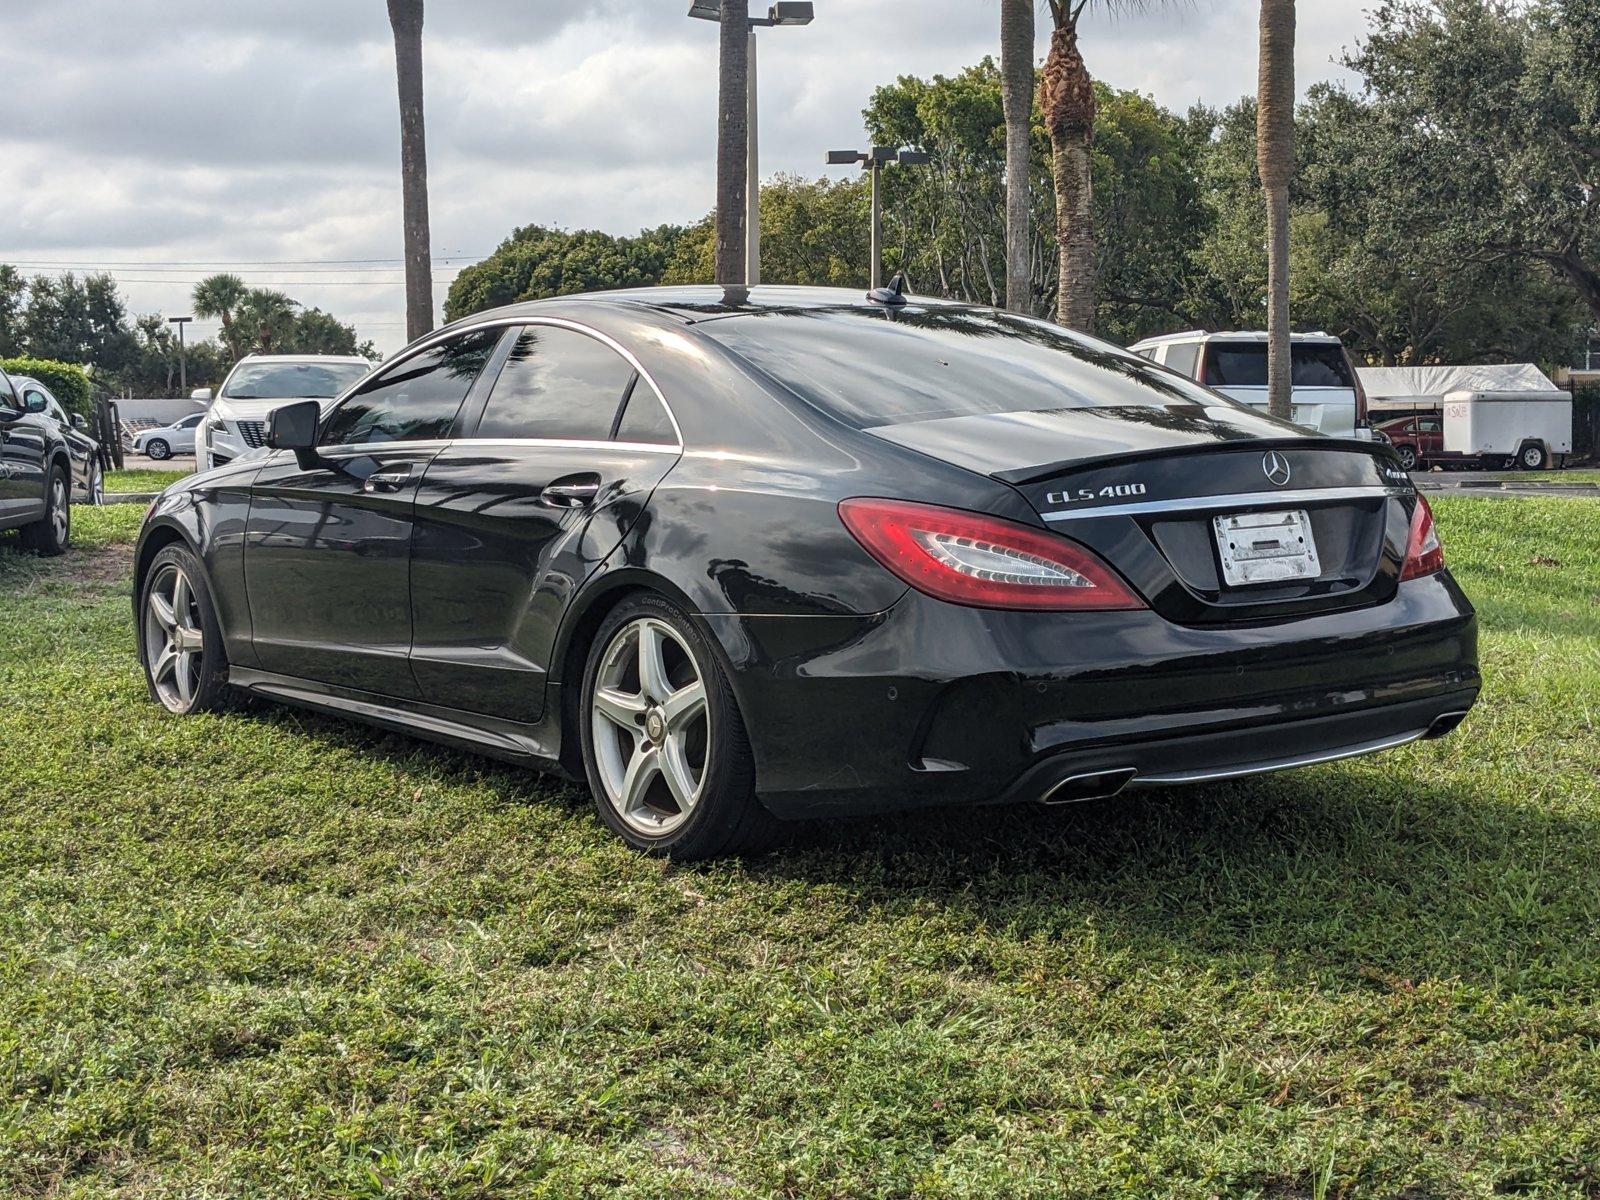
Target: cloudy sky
(164,139)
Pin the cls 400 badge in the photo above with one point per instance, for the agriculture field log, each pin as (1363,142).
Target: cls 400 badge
(1115,491)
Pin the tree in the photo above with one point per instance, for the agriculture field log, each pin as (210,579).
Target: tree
(1067,97)
(78,320)
(814,233)
(405,18)
(1275,154)
(265,321)
(13,295)
(733,133)
(1502,100)
(1016,90)
(217,298)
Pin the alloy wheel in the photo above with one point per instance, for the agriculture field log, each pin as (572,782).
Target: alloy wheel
(174,644)
(651,727)
(97,487)
(59,514)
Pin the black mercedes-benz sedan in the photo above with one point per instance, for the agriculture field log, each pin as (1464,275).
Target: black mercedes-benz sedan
(739,557)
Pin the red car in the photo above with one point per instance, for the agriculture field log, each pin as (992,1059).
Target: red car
(1418,440)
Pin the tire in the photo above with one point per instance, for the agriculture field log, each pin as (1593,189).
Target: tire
(180,641)
(97,485)
(648,745)
(1408,457)
(158,449)
(51,534)
(1532,457)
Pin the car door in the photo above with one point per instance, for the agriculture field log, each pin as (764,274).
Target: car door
(24,449)
(328,541)
(1430,437)
(183,434)
(554,468)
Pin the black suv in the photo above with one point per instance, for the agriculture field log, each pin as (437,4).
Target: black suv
(35,470)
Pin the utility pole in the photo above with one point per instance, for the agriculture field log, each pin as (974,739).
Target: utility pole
(183,355)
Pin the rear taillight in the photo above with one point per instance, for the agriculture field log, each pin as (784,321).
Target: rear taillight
(1424,551)
(981,561)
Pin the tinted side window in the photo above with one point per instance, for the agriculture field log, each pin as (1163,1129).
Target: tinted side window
(418,399)
(8,396)
(557,383)
(646,420)
(1236,364)
(1183,357)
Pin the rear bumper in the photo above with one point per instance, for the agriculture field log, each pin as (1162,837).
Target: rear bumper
(932,704)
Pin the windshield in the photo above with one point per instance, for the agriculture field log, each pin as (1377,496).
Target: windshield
(870,368)
(1244,364)
(292,380)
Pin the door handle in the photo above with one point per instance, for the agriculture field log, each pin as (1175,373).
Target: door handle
(571,491)
(388,482)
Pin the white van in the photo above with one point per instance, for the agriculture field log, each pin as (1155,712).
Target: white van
(1327,398)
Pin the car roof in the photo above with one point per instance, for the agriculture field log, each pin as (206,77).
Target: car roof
(1237,335)
(694,303)
(305,358)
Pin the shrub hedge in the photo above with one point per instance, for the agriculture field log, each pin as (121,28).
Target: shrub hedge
(68,382)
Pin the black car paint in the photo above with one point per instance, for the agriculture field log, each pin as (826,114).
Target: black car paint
(30,444)
(457,606)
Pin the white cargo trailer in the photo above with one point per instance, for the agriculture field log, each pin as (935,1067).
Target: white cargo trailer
(1534,429)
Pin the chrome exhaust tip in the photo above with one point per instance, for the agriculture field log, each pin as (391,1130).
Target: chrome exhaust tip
(1443,724)
(1099,785)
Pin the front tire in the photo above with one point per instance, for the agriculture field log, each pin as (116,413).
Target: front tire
(97,485)
(157,449)
(180,641)
(51,534)
(664,745)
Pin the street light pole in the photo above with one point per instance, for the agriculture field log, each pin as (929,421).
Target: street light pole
(785,12)
(183,353)
(875,160)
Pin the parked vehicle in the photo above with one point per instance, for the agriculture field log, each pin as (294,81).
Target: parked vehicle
(737,557)
(1327,394)
(1418,440)
(38,470)
(88,481)
(1478,429)
(236,421)
(163,442)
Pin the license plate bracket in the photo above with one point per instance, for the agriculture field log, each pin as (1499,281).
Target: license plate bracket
(1266,547)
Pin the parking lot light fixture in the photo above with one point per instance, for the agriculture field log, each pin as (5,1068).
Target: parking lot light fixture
(875,160)
(786,12)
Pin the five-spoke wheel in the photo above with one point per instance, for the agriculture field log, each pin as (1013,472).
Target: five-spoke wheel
(652,728)
(174,643)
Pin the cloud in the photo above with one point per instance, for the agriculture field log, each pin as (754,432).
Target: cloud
(182,130)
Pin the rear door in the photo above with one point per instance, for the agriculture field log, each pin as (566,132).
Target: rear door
(328,545)
(556,465)
(1324,395)
(24,445)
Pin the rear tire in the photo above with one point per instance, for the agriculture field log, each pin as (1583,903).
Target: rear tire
(1532,457)
(180,640)
(50,535)
(157,449)
(1408,457)
(664,745)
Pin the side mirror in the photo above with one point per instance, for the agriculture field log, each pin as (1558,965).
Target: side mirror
(80,422)
(200,394)
(33,404)
(294,427)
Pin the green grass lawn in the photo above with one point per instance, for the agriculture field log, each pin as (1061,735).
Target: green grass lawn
(267,954)
(142,479)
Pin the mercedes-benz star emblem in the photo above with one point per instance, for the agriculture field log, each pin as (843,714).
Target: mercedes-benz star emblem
(1276,467)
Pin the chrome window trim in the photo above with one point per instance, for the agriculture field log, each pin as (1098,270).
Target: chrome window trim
(505,323)
(572,444)
(1236,500)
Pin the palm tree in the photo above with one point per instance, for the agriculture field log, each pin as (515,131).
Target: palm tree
(268,317)
(733,132)
(218,297)
(1275,158)
(1016,91)
(1066,98)
(405,17)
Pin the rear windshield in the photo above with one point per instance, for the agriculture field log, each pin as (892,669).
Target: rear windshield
(1244,364)
(292,381)
(872,368)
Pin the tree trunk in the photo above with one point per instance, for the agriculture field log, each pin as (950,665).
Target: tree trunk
(1275,158)
(733,141)
(1066,96)
(405,16)
(1016,89)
